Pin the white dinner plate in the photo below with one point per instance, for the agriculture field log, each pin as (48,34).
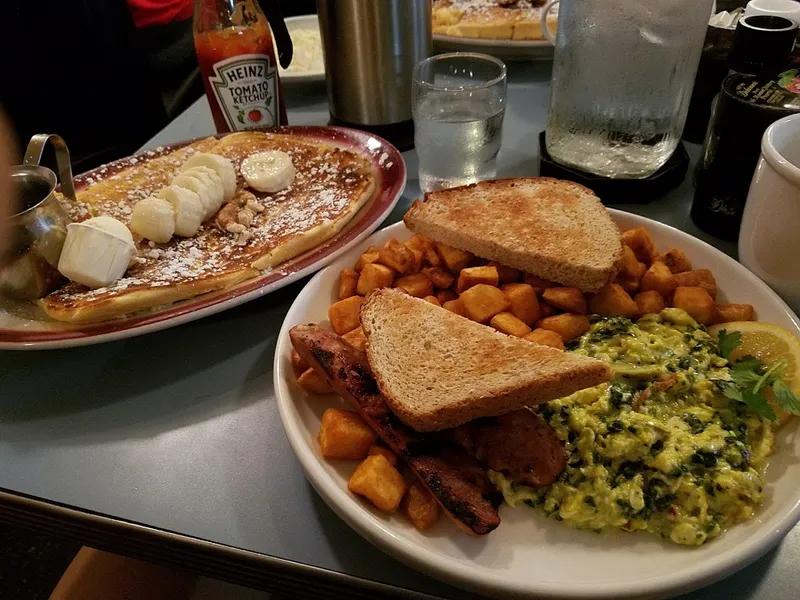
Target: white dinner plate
(294,24)
(529,555)
(504,49)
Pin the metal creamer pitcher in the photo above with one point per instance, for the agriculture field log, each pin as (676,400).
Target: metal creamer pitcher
(29,265)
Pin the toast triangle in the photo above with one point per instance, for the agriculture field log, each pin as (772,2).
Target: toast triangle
(439,370)
(554,229)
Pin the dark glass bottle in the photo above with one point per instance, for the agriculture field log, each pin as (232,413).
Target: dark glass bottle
(747,105)
(751,98)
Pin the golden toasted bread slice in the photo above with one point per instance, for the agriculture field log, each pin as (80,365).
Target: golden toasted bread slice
(439,370)
(555,229)
(330,186)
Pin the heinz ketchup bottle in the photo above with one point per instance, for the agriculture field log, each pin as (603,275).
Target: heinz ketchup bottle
(237,60)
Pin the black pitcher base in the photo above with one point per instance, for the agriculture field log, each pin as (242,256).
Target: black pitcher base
(620,191)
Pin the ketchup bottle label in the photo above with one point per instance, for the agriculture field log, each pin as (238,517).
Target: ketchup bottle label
(246,89)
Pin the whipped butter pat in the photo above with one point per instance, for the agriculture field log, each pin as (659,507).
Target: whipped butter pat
(96,252)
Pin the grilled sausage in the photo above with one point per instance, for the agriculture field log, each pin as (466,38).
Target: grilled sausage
(347,371)
(522,446)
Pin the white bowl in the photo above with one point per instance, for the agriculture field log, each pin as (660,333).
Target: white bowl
(312,76)
(529,555)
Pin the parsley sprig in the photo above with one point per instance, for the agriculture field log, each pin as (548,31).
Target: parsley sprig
(750,378)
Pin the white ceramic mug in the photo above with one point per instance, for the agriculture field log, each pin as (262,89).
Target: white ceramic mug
(769,240)
(779,8)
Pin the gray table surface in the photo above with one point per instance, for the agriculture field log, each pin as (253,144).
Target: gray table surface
(179,429)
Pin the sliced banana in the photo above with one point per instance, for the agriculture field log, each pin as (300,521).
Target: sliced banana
(221,165)
(216,183)
(199,187)
(269,171)
(210,179)
(154,219)
(189,211)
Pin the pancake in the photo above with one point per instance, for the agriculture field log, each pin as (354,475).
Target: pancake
(491,19)
(330,186)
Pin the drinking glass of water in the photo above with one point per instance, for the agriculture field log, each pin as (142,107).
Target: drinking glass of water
(459,103)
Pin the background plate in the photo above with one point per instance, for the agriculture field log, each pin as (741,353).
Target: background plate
(293,77)
(505,49)
(26,334)
(529,555)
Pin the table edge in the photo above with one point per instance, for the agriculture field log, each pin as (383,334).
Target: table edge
(203,557)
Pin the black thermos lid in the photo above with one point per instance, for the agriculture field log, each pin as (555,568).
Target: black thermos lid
(762,43)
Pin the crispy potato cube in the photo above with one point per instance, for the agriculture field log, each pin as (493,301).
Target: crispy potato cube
(658,278)
(629,284)
(539,285)
(418,285)
(545,337)
(454,306)
(419,242)
(344,434)
(506,274)
(524,303)
(630,267)
(348,282)
(641,243)
(432,258)
(474,275)
(440,277)
(726,313)
(696,301)
(481,302)
(453,258)
(397,257)
(612,300)
(433,300)
(568,326)
(703,278)
(374,276)
(445,296)
(545,310)
(356,338)
(649,302)
(365,259)
(312,382)
(383,451)
(298,363)
(419,260)
(420,506)
(344,314)
(378,481)
(568,299)
(676,261)
(506,322)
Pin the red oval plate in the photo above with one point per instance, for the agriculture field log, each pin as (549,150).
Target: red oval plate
(31,334)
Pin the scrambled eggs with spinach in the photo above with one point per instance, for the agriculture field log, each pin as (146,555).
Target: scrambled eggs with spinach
(658,449)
